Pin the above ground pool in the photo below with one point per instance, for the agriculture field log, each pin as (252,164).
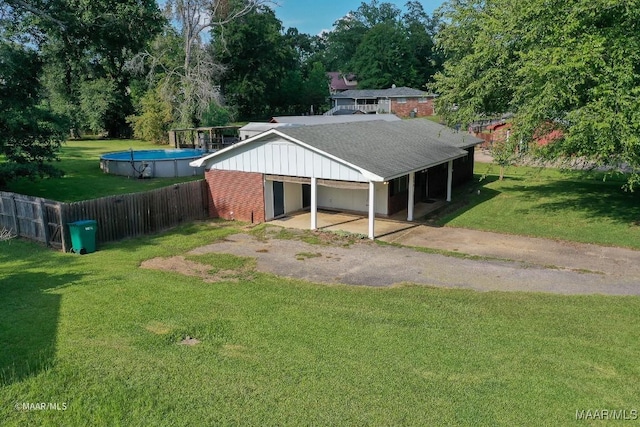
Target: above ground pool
(151,163)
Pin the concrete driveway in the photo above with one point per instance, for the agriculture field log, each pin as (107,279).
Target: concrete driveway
(366,263)
(605,265)
(583,257)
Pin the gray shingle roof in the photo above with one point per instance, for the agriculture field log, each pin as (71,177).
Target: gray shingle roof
(394,92)
(387,149)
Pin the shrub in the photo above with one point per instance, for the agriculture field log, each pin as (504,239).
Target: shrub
(154,120)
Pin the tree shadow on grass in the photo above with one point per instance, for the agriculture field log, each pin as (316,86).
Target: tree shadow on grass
(28,323)
(464,199)
(593,198)
(30,306)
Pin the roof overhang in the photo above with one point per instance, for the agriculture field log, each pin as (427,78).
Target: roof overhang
(274,132)
(426,166)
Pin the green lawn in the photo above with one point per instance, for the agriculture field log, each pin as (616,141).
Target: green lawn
(575,206)
(83,178)
(98,333)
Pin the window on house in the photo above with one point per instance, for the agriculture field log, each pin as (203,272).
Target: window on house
(402,100)
(423,100)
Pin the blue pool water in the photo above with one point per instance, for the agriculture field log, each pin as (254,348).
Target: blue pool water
(139,155)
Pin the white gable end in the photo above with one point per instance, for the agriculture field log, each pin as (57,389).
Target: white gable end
(282,157)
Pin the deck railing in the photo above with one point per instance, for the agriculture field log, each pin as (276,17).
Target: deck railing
(366,108)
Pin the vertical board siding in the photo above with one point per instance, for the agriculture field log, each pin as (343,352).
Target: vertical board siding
(136,214)
(282,157)
(117,217)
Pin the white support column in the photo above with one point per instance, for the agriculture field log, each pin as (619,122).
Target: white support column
(372,209)
(449,180)
(412,190)
(314,203)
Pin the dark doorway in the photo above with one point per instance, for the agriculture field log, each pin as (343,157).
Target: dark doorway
(437,180)
(278,198)
(306,196)
(421,192)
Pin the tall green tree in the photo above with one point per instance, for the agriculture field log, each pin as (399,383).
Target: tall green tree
(269,72)
(350,30)
(569,68)
(82,41)
(421,32)
(382,46)
(258,62)
(384,58)
(30,135)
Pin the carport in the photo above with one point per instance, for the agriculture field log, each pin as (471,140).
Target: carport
(376,169)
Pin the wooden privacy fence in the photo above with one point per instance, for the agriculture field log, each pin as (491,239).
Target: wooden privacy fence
(31,217)
(117,217)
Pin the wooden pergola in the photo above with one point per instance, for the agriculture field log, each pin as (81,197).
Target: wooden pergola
(205,138)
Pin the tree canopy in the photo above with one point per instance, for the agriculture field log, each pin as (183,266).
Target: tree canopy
(85,46)
(383,47)
(29,134)
(567,68)
(268,72)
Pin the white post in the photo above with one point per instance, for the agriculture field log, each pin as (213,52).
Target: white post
(372,209)
(314,203)
(449,180)
(412,189)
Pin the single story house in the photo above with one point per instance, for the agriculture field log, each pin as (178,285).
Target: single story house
(403,101)
(377,168)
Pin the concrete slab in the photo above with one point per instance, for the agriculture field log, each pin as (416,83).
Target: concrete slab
(383,227)
(339,221)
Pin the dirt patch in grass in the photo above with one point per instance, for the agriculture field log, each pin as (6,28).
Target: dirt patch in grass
(179,264)
(190,341)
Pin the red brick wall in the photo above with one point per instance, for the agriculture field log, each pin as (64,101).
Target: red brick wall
(404,110)
(236,195)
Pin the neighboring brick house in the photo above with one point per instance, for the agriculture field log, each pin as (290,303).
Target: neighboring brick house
(491,132)
(402,101)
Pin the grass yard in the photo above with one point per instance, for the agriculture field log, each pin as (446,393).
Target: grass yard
(574,206)
(99,335)
(84,180)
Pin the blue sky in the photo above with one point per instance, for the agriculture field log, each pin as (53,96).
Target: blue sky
(313,16)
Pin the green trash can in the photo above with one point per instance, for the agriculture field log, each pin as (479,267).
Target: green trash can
(83,236)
